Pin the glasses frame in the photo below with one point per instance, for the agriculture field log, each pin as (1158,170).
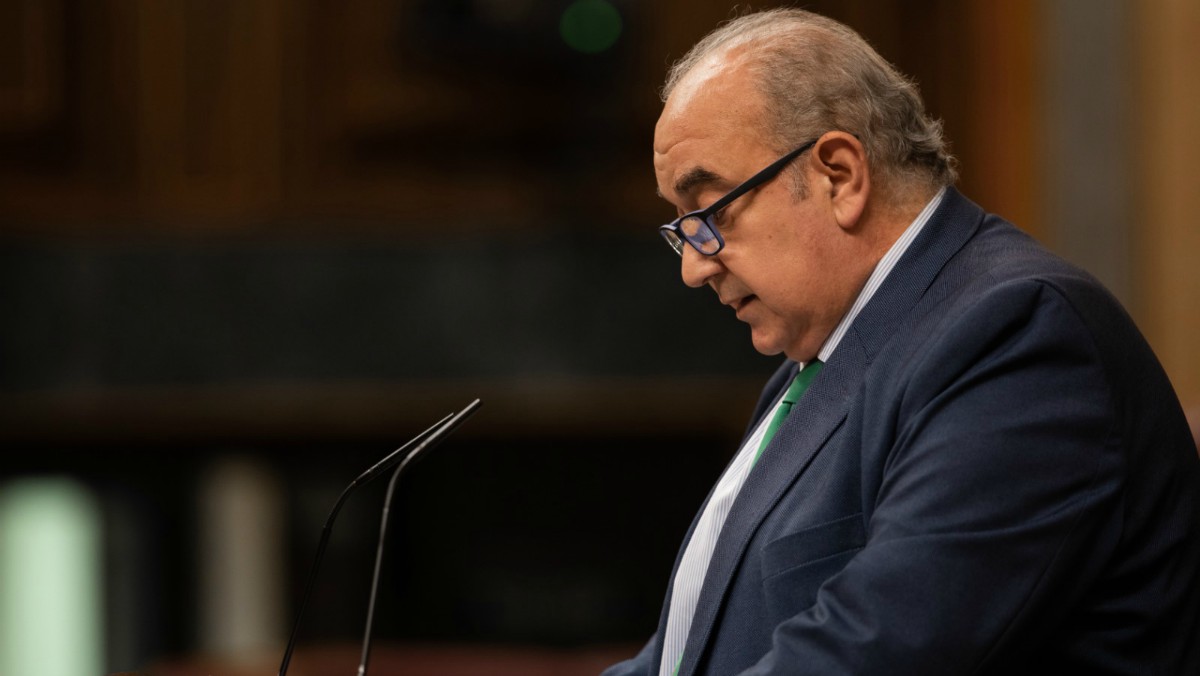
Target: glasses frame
(676,237)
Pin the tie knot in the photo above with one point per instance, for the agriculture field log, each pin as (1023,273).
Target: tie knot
(793,394)
(801,381)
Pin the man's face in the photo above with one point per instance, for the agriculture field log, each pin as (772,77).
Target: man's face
(786,268)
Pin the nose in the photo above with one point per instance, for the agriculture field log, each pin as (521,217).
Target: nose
(696,268)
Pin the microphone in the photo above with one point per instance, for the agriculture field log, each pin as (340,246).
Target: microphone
(383,524)
(423,441)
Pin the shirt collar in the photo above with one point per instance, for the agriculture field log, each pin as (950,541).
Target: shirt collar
(880,273)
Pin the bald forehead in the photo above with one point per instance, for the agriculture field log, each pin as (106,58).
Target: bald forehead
(711,72)
(717,98)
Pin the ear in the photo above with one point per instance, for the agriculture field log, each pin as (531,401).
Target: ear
(842,160)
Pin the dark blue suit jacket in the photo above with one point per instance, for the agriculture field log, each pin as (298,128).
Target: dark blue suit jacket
(991,474)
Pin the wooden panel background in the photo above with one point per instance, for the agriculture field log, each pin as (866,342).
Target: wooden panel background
(1167,144)
(297,228)
(221,116)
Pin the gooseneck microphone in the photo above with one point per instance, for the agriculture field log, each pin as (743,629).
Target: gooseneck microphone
(452,424)
(419,444)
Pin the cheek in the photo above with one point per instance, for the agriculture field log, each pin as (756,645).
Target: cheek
(793,268)
(796,288)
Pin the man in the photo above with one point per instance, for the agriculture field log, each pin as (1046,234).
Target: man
(988,472)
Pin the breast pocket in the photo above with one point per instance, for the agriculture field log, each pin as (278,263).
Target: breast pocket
(795,565)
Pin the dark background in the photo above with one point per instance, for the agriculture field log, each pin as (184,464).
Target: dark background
(282,237)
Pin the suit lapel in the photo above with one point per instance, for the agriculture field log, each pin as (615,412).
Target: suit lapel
(824,406)
(812,421)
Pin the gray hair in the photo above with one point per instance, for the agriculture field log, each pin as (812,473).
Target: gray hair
(819,75)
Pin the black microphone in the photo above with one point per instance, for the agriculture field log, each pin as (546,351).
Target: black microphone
(423,441)
(458,419)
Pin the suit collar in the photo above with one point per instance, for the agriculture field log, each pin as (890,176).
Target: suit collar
(951,226)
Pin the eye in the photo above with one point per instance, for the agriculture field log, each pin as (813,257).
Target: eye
(718,218)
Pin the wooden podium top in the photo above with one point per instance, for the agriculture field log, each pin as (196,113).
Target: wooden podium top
(407,660)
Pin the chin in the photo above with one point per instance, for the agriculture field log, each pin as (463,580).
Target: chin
(766,345)
(772,344)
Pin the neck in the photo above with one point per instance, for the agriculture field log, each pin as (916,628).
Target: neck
(892,211)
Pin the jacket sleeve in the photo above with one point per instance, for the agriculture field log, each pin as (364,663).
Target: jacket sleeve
(640,665)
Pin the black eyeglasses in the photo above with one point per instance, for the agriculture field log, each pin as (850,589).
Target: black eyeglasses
(696,228)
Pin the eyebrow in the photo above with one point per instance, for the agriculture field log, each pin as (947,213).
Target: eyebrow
(694,178)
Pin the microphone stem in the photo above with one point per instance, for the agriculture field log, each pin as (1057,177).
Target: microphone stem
(312,575)
(363,478)
(383,524)
(422,441)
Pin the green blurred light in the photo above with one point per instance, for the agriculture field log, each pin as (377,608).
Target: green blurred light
(50,579)
(590,26)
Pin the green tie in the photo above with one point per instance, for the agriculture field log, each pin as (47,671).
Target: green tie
(793,394)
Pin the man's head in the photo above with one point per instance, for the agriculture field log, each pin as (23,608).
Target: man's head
(799,247)
(815,75)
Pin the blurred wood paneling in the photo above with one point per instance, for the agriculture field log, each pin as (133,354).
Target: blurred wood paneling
(230,115)
(1002,168)
(31,65)
(1167,278)
(579,407)
(280,118)
(71,159)
(208,109)
(222,116)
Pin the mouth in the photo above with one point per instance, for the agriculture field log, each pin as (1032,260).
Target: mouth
(739,304)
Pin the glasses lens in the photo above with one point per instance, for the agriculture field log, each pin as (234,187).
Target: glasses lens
(700,234)
(673,240)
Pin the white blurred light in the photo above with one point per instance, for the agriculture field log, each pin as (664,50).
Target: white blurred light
(50,579)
